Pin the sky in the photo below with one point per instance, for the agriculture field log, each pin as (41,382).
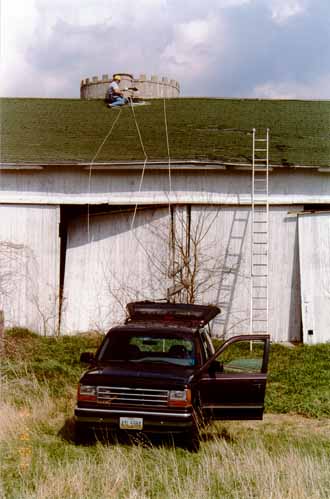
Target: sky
(214,48)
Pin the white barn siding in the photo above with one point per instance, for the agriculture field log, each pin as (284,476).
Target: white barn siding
(224,261)
(118,187)
(225,250)
(314,253)
(91,302)
(29,266)
(118,265)
(284,281)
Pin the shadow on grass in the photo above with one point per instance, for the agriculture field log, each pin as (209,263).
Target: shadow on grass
(218,434)
(108,436)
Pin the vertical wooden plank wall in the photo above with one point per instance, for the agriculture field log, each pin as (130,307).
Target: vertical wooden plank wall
(225,250)
(314,244)
(116,266)
(29,266)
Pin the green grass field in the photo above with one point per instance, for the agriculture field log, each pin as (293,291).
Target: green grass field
(284,456)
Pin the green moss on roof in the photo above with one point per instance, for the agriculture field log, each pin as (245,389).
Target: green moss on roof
(71,130)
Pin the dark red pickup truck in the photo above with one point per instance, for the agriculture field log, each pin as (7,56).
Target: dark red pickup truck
(159,372)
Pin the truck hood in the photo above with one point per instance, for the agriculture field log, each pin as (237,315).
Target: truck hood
(138,375)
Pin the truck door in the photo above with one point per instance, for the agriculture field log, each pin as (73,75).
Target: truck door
(232,383)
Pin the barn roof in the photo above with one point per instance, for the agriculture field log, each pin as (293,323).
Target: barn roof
(59,131)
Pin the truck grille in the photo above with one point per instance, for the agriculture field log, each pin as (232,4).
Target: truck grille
(131,396)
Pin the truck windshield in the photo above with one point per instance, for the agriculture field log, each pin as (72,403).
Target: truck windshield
(138,347)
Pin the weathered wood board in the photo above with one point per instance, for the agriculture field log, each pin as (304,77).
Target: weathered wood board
(314,254)
(30,266)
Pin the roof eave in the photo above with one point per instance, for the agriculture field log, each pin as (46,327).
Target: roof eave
(153,165)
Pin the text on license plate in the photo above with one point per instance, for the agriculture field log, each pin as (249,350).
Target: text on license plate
(131,423)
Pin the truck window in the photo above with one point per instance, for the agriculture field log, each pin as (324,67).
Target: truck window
(245,356)
(138,347)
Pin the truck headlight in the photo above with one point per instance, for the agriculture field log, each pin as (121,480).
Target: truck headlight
(179,398)
(86,393)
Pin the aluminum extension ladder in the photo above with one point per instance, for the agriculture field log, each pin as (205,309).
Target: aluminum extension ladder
(259,234)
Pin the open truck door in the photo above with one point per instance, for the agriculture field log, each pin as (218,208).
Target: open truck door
(232,382)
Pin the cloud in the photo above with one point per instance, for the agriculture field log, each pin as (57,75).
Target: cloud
(17,28)
(192,47)
(231,48)
(284,10)
(318,88)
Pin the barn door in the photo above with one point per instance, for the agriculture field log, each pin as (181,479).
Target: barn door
(314,259)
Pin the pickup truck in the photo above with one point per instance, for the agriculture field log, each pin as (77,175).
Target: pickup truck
(159,372)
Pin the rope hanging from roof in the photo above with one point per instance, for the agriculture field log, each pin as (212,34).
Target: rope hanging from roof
(170,256)
(142,172)
(90,171)
(169,159)
(144,164)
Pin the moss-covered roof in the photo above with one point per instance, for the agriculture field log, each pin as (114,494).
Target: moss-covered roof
(71,130)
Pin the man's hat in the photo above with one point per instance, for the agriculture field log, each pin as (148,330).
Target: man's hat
(117,77)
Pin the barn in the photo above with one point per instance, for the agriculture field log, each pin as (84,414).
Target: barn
(103,206)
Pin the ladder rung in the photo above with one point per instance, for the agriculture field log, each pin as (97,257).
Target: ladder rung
(260,221)
(261,150)
(259,287)
(258,242)
(260,232)
(260,140)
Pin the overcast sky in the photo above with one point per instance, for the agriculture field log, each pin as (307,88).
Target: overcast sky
(231,48)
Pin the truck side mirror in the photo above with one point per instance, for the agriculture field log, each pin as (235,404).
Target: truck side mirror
(87,357)
(216,367)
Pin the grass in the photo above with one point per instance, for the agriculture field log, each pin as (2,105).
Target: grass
(59,130)
(283,456)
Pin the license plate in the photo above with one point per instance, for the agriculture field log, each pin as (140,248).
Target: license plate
(131,423)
